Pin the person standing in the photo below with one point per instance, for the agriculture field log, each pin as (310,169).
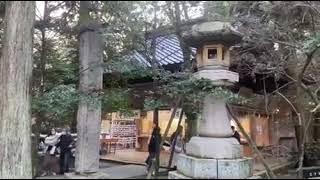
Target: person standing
(154,148)
(50,161)
(65,145)
(235,134)
(176,144)
(51,141)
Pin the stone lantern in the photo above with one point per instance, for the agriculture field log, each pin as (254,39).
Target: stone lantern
(214,153)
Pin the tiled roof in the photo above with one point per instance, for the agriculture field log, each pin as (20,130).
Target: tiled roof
(168,51)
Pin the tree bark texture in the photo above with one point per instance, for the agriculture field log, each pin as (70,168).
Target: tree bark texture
(15,78)
(43,53)
(89,114)
(186,51)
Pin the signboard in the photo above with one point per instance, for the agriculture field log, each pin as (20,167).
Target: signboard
(311,172)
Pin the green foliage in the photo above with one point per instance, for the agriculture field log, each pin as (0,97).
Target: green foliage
(312,43)
(58,104)
(129,69)
(192,91)
(151,104)
(61,73)
(312,151)
(116,100)
(218,10)
(125,27)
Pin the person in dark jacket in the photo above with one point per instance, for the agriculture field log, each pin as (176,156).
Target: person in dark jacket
(235,134)
(154,147)
(65,145)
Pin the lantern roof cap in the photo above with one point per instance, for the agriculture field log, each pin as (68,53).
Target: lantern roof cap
(213,32)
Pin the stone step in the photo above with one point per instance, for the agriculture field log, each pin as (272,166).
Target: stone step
(177,175)
(214,168)
(196,167)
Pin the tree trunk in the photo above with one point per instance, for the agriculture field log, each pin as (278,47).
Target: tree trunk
(89,113)
(175,107)
(43,53)
(15,76)
(156,116)
(73,126)
(175,140)
(186,51)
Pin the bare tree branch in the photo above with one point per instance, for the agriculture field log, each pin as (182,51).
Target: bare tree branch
(292,106)
(251,143)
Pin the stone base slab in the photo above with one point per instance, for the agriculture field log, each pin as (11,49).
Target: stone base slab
(197,168)
(255,177)
(176,175)
(214,148)
(190,167)
(235,168)
(97,175)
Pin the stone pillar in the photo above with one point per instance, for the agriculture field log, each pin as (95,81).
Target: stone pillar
(214,154)
(215,121)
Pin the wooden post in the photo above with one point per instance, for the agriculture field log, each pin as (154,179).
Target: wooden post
(175,140)
(170,121)
(156,116)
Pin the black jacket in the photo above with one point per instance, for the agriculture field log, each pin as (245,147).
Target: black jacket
(154,145)
(237,136)
(64,143)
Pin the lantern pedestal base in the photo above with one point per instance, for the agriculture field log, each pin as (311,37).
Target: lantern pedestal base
(219,148)
(219,77)
(189,167)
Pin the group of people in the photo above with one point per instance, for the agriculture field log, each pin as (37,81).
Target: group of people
(62,143)
(176,145)
(57,144)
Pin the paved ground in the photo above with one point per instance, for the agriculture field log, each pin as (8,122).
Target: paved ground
(103,165)
(51,177)
(126,171)
(117,171)
(120,170)
(134,157)
(131,156)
